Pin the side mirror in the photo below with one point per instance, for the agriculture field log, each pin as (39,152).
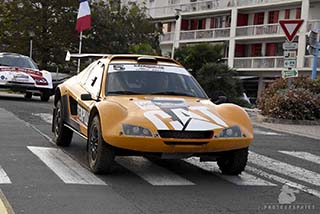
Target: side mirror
(221,99)
(86,97)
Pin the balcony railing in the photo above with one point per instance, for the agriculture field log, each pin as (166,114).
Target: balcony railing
(241,3)
(169,10)
(259,62)
(166,37)
(313,24)
(205,34)
(308,61)
(255,30)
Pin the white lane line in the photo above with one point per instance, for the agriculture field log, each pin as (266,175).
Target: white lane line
(4,178)
(44,116)
(261,132)
(283,181)
(303,155)
(285,169)
(245,179)
(67,169)
(152,173)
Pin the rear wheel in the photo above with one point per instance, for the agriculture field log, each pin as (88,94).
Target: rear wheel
(62,134)
(45,96)
(28,95)
(100,154)
(234,162)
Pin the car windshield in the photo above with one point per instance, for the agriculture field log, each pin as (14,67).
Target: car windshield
(150,79)
(17,61)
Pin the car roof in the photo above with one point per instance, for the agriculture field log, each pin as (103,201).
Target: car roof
(136,57)
(11,54)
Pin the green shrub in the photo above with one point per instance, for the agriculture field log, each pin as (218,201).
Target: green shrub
(299,102)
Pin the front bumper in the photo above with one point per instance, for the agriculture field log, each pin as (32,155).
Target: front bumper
(146,144)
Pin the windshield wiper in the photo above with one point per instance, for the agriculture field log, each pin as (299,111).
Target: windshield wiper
(123,92)
(172,93)
(4,64)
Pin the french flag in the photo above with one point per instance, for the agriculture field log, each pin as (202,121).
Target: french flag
(84,16)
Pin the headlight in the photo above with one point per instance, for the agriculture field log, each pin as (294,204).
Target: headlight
(133,130)
(233,131)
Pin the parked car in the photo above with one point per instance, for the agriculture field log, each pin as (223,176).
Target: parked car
(152,106)
(20,73)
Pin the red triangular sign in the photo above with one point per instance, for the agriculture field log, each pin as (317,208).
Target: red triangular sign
(291,27)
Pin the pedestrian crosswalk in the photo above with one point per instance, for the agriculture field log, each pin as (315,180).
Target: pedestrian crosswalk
(4,179)
(260,171)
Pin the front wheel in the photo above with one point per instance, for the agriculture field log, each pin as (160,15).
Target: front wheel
(62,134)
(100,154)
(234,162)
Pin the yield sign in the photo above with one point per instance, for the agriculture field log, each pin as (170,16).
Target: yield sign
(291,27)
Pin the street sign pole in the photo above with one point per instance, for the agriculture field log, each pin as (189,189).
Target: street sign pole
(315,63)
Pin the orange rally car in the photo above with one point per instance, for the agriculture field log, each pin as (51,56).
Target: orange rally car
(151,106)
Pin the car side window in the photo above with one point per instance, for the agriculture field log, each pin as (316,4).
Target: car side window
(93,82)
(83,76)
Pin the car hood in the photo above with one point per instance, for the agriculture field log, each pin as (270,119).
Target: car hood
(171,112)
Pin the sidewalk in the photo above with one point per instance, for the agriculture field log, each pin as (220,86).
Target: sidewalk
(310,131)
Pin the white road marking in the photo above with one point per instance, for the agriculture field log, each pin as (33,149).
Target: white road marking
(152,173)
(261,132)
(283,181)
(4,178)
(245,179)
(285,169)
(303,155)
(67,169)
(44,116)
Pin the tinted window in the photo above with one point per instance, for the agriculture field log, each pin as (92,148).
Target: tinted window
(153,82)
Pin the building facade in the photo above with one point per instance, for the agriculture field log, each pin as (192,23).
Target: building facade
(249,29)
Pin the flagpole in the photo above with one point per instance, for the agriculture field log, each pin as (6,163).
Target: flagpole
(80,45)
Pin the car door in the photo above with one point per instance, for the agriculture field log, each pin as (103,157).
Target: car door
(92,87)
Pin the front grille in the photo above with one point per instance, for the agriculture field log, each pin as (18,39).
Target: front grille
(185,134)
(185,143)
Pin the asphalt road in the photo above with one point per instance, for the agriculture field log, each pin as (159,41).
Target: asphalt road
(36,177)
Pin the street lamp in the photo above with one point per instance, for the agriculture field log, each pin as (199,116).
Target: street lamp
(31,35)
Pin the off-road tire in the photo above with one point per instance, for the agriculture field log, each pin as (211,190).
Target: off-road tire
(62,134)
(234,162)
(100,154)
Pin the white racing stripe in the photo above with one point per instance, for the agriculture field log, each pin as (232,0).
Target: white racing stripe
(285,169)
(152,173)
(283,181)
(303,155)
(67,169)
(245,179)
(4,179)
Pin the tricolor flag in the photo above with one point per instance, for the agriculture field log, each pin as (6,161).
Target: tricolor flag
(84,16)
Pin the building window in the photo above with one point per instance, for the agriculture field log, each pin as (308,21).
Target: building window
(256,50)
(298,13)
(287,14)
(258,18)
(273,17)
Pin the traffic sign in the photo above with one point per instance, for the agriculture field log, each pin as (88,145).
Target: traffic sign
(290,63)
(289,73)
(290,46)
(290,54)
(291,27)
